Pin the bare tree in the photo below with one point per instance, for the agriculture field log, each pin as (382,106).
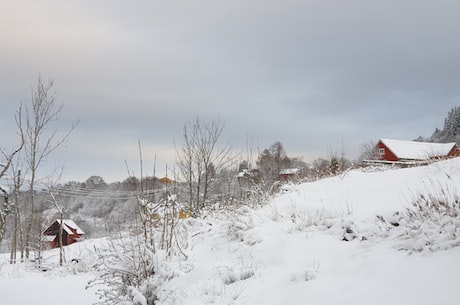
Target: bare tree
(5,208)
(200,159)
(144,192)
(40,142)
(56,202)
(369,151)
(17,227)
(270,162)
(320,168)
(60,210)
(338,162)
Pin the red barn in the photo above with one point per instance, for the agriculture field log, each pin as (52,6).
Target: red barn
(406,151)
(70,232)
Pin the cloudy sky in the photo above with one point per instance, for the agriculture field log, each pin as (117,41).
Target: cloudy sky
(311,74)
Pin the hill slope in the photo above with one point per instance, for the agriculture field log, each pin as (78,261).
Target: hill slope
(293,251)
(350,239)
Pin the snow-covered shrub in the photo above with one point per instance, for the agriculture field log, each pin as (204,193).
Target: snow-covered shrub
(131,271)
(232,274)
(125,273)
(237,226)
(235,221)
(239,271)
(431,223)
(220,294)
(272,212)
(304,218)
(349,230)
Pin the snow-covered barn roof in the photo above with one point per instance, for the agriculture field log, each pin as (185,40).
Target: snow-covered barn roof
(412,150)
(68,223)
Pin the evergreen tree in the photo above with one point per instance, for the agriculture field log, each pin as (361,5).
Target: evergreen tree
(451,130)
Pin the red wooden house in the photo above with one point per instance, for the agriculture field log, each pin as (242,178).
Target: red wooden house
(410,151)
(70,232)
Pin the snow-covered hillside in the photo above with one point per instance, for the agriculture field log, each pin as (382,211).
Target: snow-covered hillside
(351,239)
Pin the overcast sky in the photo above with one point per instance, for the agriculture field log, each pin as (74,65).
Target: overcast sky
(311,74)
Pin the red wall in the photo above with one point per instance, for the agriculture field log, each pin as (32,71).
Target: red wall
(388,156)
(455,152)
(70,240)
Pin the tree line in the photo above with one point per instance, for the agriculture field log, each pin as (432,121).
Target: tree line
(206,173)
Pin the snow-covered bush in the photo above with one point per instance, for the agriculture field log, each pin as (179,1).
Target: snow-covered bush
(233,220)
(306,218)
(238,225)
(131,271)
(431,223)
(239,271)
(349,230)
(125,271)
(221,294)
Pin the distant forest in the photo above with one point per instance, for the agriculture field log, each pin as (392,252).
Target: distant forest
(450,132)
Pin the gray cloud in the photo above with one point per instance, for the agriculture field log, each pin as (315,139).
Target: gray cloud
(312,74)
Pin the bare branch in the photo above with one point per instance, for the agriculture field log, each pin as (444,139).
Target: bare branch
(200,160)
(39,144)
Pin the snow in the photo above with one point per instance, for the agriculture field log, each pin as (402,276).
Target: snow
(291,250)
(412,150)
(39,289)
(4,187)
(289,171)
(69,223)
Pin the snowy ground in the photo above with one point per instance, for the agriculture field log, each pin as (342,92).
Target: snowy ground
(292,251)
(38,289)
(24,283)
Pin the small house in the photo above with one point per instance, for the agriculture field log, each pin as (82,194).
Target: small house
(412,151)
(288,174)
(248,177)
(70,232)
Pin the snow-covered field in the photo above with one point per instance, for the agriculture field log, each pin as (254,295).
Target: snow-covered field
(316,243)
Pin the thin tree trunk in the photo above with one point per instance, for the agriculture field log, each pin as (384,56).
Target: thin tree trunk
(17,219)
(171,233)
(32,213)
(4,209)
(13,241)
(61,258)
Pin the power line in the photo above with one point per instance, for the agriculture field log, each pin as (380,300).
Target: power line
(102,194)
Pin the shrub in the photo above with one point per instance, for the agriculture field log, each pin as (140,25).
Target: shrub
(125,273)
(430,223)
(240,271)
